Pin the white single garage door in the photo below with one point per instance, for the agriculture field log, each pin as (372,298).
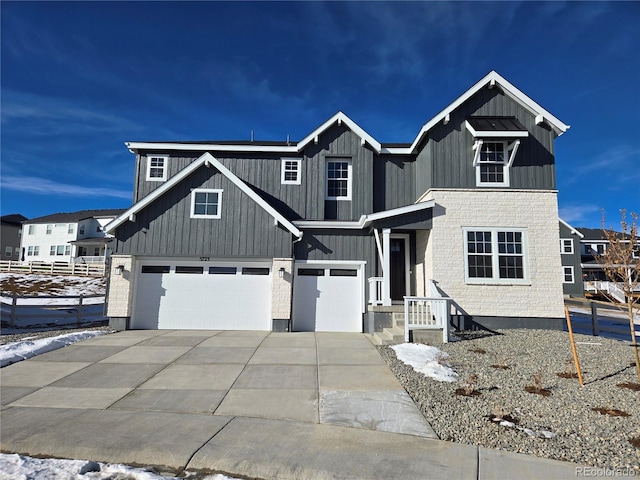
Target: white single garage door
(202,296)
(328,298)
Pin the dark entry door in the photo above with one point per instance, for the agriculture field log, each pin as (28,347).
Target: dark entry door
(398,269)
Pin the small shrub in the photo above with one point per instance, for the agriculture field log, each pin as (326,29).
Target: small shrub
(631,386)
(569,371)
(469,388)
(612,412)
(537,386)
(502,363)
(481,351)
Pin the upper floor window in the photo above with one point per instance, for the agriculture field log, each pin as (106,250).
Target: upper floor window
(81,230)
(206,203)
(338,179)
(290,171)
(49,229)
(495,256)
(157,168)
(567,275)
(32,230)
(71,228)
(566,246)
(492,168)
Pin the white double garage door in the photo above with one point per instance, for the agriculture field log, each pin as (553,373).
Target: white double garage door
(238,296)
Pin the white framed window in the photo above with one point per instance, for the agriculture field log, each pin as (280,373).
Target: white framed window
(8,251)
(71,228)
(566,246)
(492,168)
(339,179)
(32,230)
(157,168)
(567,275)
(495,255)
(290,171)
(49,229)
(33,251)
(59,250)
(206,203)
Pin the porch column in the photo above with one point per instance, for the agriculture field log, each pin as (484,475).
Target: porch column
(386,266)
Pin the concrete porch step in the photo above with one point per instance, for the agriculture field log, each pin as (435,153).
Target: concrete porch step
(390,336)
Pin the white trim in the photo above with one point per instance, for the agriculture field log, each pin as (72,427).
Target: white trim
(195,191)
(204,158)
(573,277)
(573,230)
(493,78)
(298,163)
(349,179)
(165,161)
(496,133)
(505,164)
(570,240)
(495,254)
(386,267)
(365,220)
(351,125)
(198,147)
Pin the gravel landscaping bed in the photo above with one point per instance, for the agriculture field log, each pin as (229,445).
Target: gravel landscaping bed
(21,334)
(562,425)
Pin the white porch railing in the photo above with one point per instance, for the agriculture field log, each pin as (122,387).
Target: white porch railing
(89,259)
(375,290)
(63,268)
(427,313)
(608,287)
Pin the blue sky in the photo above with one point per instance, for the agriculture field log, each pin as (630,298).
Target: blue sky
(79,79)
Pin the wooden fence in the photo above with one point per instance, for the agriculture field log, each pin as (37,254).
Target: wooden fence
(606,323)
(88,269)
(31,311)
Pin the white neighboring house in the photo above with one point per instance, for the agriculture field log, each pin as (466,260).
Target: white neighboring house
(68,237)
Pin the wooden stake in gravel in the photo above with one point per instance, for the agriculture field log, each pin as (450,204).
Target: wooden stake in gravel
(573,345)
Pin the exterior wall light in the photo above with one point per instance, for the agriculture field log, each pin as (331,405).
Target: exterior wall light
(281,272)
(119,270)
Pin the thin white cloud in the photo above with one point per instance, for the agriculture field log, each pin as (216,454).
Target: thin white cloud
(574,214)
(43,186)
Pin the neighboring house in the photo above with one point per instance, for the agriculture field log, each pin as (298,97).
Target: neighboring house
(593,243)
(10,236)
(570,238)
(68,237)
(325,233)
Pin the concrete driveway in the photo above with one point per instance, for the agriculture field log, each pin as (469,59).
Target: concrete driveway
(254,404)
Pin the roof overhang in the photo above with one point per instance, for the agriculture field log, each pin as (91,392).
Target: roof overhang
(207,160)
(495,133)
(491,80)
(91,241)
(571,229)
(365,220)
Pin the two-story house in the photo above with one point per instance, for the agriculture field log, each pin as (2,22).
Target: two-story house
(68,237)
(10,236)
(313,234)
(570,254)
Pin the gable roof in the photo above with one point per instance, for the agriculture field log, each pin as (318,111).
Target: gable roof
(490,80)
(571,229)
(14,219)
(72,217)
(205,159)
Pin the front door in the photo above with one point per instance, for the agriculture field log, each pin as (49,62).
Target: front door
(398,268)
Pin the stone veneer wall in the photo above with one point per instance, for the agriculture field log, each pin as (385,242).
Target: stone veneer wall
(281,289)
(120,293)
(537,211)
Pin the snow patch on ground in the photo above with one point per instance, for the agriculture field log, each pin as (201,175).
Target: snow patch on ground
(16,467)
(426,360)
(18,351)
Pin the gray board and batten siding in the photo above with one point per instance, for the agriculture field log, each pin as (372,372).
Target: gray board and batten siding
(446,160)
(576,288)
(393,177)
(166,228)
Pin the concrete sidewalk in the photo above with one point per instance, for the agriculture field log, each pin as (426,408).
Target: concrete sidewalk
(252,404)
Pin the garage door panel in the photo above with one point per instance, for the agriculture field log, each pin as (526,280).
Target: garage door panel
(220,300)
(327,299)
